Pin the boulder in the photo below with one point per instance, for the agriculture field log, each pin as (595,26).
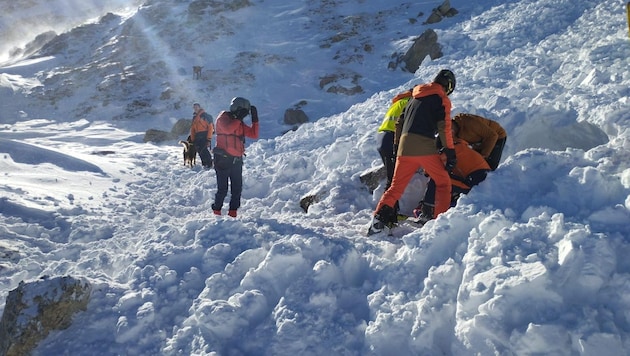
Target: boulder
(181,127)
(295,117)
(34,309)
(444,10)
(157,136)
(423,46)
(308,200)
(372,178)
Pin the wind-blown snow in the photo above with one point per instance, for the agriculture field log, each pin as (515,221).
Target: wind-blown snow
(532,261)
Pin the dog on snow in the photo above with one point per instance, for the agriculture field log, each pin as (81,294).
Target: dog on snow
(190,153)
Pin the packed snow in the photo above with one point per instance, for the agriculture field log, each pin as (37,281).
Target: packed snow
(533,261)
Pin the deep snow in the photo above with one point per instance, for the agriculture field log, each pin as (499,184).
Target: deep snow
(532,261)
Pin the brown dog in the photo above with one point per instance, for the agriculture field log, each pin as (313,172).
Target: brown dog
(190,153)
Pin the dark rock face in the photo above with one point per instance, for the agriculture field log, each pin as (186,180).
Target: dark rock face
(34,309)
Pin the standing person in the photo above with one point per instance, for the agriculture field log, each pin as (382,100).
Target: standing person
(201,134)
(470,170)
(427,114)
(385,135)
(229,152)
(486,136)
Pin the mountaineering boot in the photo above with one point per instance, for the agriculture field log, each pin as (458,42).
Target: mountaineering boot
(384,218)
(376,226)
(216,209)
(418,210)
(426,213)
(232,213)
(387,215)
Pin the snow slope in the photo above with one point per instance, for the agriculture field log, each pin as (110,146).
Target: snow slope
(532,261)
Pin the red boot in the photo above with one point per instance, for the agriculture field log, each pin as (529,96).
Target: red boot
(232,213)
(216,212)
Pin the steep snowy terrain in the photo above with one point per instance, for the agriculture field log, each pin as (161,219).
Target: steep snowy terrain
(532,261)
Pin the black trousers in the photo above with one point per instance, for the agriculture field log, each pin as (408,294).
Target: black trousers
(229,172)
(471,180)
(386,150)
(202,149)
(495,156)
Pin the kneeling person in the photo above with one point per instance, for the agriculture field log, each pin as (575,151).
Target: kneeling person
(471,169)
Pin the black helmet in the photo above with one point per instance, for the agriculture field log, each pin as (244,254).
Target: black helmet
(447,79)
(240,107)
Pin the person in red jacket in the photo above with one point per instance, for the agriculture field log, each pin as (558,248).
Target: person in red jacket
(428,113)
(470,170)
(229,151)
(201,134)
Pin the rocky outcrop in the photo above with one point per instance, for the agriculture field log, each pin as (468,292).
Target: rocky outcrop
(444,10)
(157,136)
(34,309)
(372,178)
(181,127)
(425,45)
(343,82)
(295,117)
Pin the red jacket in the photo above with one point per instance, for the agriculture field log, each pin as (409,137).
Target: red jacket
(231,133)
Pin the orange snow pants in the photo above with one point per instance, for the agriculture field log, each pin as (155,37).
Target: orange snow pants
(406,167)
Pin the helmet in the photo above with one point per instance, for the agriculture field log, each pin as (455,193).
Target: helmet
(240,107)
(447,79)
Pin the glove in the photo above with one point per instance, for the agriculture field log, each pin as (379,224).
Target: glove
(451,160)
(209,143)
(254,113)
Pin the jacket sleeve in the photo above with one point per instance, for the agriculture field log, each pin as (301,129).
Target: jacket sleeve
(445,134)
(444,126)
(251,131)
(488,138)
(400,122)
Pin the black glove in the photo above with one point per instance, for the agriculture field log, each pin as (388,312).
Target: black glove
(208,143)
(451,160)
(254,113)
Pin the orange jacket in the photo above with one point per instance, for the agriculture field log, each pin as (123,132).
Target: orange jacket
(468,161)
(231,133)
(480,132)
(201,122)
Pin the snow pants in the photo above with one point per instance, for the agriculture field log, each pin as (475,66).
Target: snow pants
(495,155)
(229,172)
(201,144)
(386,150)
(406,167)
